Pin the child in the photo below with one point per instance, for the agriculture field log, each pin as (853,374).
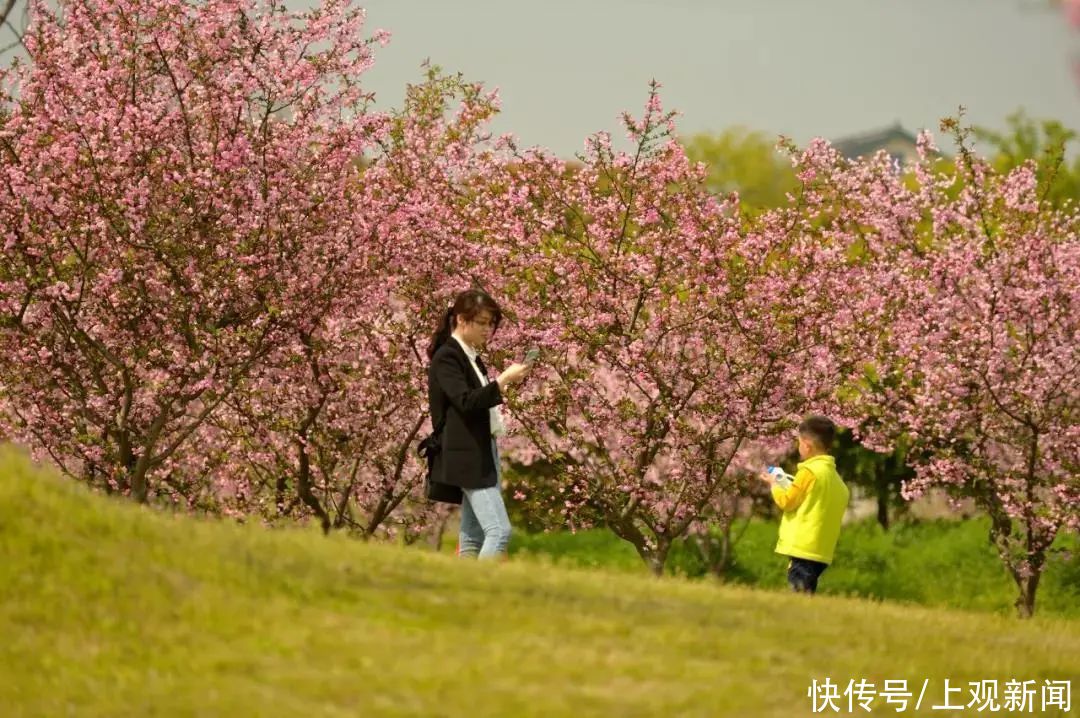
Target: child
(813,506)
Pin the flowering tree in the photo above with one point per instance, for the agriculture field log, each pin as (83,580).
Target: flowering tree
(330,422)
(736,502)
(673,334)
(177,184)
(975,344)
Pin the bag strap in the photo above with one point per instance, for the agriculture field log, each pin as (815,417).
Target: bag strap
(442,424)
(420,448)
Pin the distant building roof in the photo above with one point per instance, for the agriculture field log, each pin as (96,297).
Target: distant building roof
(870,142)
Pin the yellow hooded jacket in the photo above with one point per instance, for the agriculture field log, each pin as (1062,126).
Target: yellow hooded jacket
(813,507)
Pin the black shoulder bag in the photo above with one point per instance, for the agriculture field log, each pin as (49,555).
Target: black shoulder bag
(429,448)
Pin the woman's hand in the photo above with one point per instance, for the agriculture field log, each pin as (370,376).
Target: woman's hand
(513,374)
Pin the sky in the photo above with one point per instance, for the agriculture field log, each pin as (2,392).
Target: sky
(803,68)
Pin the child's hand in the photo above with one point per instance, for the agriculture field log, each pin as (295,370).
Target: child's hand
(766,477)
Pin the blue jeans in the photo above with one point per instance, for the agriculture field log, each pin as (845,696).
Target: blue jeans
(803,574)
(485,527)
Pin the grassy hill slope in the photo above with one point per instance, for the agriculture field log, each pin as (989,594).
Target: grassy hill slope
(109,609)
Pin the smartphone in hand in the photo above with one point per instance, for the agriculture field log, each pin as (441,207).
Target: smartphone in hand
(532,355)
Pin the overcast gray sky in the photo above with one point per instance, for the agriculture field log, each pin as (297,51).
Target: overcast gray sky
(566,68)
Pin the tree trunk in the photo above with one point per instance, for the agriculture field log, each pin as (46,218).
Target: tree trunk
(1025,602)
(721,563)
(437,535)
(303,486)
(135,479)
(883,507)
(138,485)
(655,558)
(655,564)
(279,494)
(716,553)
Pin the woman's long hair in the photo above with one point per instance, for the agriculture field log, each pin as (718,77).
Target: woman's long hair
(467,305)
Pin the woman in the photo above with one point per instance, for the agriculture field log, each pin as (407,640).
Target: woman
(461,395)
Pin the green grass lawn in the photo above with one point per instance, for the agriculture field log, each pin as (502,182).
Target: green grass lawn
(108,609)
(948,564)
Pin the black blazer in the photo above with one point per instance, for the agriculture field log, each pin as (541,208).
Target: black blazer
(454,391)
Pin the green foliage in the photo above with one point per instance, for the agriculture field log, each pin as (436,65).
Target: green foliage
(110,609)
(948,564)
(590,548)
(1048,143)
(747,162)
(881,475)
(533,498)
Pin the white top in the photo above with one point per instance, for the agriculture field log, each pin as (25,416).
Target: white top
(498,427)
